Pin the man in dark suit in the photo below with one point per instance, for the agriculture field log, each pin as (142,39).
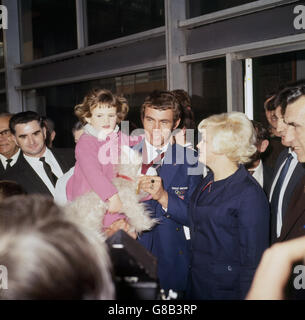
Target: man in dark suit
(259,170)
(170,190)
(288,172)
(9,151)
(37,168)
(294,220)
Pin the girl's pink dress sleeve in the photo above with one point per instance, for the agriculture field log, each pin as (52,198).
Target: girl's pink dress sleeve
(86,153)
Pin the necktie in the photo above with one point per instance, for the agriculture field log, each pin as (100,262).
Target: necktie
(155,163)
(278,186)
(8,163)
(48,171)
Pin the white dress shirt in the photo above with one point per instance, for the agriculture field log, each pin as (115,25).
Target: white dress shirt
(259,174)
(292,166)
(37,165)
(151,155)
(14,159)
(152,151)
(60,194)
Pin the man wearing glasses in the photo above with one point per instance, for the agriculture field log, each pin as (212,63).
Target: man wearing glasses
(9,151)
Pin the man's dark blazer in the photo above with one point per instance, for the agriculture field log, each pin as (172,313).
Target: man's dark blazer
(271,155)
(296,177)
(25,175)
(2,170)
(294,219)
(294,227)
(268,176)
(167,240)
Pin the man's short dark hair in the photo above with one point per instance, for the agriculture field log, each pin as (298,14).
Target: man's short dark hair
(49,123)
(261,132)
(25,117)
(295,92)
(291,92)
(162,100)
(78,126)
(269,102)
(187,115)
(281,100)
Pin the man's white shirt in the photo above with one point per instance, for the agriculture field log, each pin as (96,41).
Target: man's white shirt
(14,159)
(259,174)
(60,194)
(152,152)
(292,166)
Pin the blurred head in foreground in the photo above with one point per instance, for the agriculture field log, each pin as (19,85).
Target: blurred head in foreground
(47,257)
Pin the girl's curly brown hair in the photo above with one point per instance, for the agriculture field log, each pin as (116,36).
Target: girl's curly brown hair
(96,98)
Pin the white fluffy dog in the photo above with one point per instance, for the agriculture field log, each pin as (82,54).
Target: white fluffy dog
(89,210)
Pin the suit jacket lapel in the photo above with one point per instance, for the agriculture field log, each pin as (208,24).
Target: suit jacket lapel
(30,173)
(279,162)
(293,183)
(295,209)
(1,168)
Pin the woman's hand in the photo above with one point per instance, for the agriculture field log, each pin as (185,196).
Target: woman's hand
(274,270)
(115,204)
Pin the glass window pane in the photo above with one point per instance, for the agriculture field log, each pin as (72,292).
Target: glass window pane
(2,80)
(273,72)
(209,89)
(3,106)
(1,50)
(58,102)
(111,19)
(201,7)
(48,27)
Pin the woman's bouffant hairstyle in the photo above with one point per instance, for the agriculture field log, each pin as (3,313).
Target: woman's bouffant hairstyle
(233,135)
(96,98)
(48,257)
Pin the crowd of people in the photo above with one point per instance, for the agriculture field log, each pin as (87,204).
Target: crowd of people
(218,216)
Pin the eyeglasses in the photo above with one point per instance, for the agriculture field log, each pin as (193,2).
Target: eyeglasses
(5,133)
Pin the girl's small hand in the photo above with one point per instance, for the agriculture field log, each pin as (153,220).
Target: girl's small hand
(115,204)
(120,224)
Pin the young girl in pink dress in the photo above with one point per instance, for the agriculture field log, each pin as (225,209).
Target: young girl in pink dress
(98,150)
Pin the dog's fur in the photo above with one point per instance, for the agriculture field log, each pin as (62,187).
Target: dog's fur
(89,209)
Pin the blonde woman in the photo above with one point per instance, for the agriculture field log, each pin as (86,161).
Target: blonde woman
(229,212)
